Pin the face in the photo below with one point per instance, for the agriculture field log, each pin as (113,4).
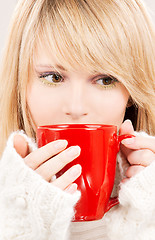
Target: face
(61,96)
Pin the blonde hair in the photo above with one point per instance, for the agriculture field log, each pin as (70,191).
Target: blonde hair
(111,36)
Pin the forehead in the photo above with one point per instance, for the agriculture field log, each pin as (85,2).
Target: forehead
(44,56)
(44,59)
(41,54)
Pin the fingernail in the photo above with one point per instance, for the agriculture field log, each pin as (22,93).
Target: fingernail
(128,141)
(128,120)
(75,170)
(60,144)
(73,151)
(72,188)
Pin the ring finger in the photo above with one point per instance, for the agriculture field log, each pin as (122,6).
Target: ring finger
(68,177)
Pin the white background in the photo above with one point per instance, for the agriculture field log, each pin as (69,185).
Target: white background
(7,6)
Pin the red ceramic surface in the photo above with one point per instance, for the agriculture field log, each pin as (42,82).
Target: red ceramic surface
(99,147)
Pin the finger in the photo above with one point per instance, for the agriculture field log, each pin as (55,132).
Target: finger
(55,164)
(133,170)
(125,180)
(21,146)
(72,188)
(126,128)
(68,177)
(142,157)
(140,142)
(39,156)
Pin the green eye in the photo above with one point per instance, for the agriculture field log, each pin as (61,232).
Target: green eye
(51,78)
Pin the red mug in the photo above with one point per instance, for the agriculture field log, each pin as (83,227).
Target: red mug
(99,147)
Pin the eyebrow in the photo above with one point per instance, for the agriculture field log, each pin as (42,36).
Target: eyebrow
(57,66)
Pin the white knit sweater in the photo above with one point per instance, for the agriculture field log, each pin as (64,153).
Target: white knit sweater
(33,209)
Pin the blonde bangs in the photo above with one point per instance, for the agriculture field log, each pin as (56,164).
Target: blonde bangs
(81,35)
(97,36)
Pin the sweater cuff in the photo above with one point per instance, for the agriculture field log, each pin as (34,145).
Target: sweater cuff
(139,191)
(29,205)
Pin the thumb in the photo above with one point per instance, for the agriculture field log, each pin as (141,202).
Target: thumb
(21,146)
(126,128)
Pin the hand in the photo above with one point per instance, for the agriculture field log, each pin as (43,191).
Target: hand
(50,159)
(139,150)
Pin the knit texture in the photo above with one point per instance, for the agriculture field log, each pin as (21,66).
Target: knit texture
(31,208)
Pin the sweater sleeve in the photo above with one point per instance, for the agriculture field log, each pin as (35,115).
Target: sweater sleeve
(134,217)
(30,207)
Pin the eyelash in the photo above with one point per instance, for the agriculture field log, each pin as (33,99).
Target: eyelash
(107,78)
(43,79)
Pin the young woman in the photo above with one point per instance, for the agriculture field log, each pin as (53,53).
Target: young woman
(76,61)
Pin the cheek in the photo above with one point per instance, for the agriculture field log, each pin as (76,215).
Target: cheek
(111,106)
(115,112)
(41,104)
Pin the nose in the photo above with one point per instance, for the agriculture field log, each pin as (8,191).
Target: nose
(75,106)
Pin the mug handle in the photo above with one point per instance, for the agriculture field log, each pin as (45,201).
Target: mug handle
(114,201)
